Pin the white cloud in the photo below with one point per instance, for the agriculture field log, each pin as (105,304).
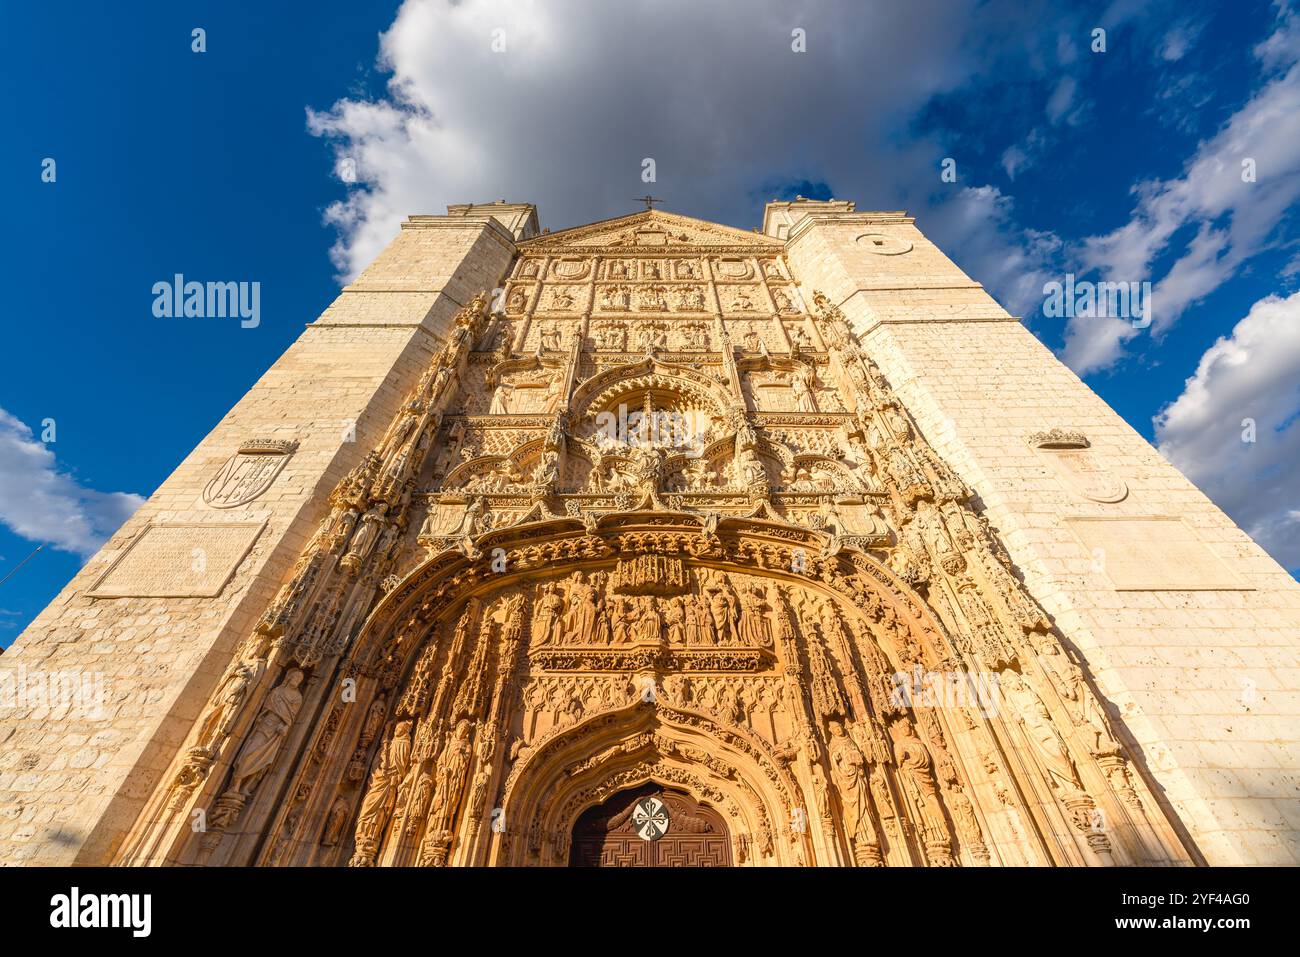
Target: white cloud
(43,504)
(1021,156)
(566,114)
(1252,373)
(1178,41)
(1014,159)
(586,89)
(980,223)
(1230,220)
(1062,99)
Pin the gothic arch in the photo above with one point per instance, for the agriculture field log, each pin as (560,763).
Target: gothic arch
(764,544)
(671,381)
(580,766)
(761,795)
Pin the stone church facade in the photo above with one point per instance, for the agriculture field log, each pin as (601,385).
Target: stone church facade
(658,542)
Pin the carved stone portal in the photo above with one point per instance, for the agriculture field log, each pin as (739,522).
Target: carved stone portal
(675,538)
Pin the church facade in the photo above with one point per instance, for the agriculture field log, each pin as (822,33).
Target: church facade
(657,542)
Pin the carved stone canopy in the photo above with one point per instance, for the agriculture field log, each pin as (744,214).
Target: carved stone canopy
(1058,438)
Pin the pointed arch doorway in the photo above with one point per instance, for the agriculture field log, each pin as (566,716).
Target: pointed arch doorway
(650,826)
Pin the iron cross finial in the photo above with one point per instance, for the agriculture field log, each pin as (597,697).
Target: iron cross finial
(648,200)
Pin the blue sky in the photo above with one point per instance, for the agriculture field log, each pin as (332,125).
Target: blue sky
(225,165)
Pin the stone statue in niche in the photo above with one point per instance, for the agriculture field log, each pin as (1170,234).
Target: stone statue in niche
(269,731)
(335,822)
(852,782)
(500,404)
(1046,741)
(449,780)
(754,629)
(229,698)
(549,337)
(548,618)
(802,383)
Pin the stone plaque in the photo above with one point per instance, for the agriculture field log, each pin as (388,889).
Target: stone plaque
(1153,554)
(179,560)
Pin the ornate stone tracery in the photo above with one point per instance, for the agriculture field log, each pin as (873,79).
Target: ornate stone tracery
(533,595)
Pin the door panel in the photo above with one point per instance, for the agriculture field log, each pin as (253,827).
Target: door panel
(606,835)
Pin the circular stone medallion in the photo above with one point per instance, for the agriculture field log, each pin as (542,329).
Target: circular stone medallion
(650,818)
(883,245)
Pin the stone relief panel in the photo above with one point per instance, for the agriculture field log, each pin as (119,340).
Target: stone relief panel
(746,299)
(731,270)
(785,299)
(801,334)
(770,391)
(565,298)
(755,335)
(551,335)
(567,270)
(519,297)
(179,560)
(1073,462)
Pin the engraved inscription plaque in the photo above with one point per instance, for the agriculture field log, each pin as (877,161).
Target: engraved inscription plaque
(1153,554)
(179,560)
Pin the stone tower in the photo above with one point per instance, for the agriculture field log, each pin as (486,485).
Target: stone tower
(654,541)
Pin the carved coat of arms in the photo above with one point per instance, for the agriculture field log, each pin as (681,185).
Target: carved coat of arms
(1074,462)
(249,472)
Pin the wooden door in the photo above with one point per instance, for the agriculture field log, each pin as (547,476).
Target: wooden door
(613,834)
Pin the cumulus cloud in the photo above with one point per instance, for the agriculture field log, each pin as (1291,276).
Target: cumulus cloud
(1246,382)
(980,222)
(567,111)
(43,504)
(1211,220)
(584,90)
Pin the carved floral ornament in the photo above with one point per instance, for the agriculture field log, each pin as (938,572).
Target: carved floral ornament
(732,625)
